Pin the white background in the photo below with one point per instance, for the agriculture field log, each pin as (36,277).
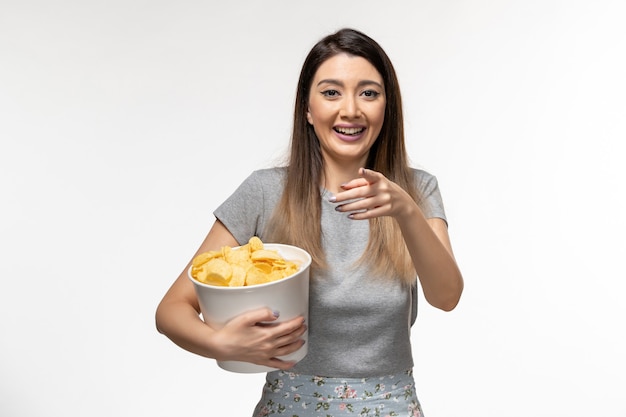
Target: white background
(123,124)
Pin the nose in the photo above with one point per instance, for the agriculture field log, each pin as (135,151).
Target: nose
(350,108)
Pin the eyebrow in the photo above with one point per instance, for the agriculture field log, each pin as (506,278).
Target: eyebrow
(361,83)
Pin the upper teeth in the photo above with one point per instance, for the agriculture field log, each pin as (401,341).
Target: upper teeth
(349,130)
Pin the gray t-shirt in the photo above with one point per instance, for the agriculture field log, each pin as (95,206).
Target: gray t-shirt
(358,326)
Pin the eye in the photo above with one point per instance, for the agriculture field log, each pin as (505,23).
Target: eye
(371,94)
(330,93)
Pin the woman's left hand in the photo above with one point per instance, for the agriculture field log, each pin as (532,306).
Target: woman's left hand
(372,195)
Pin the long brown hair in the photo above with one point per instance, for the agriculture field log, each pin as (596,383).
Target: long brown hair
(296,219)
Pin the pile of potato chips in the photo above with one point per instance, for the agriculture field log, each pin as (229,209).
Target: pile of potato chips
(250,264)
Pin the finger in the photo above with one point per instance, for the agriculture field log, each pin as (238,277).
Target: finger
(295,324)
(365,214)
(366,177)
(364,202)
(253,317)
(357,182)
(284,338)
(365,208)
(292,329)
(369,175)
(289,349)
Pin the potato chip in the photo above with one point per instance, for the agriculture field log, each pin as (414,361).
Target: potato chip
(239,257)
(204,258)
(255,244)
(256,276)
(238,278)
(264,254)
(250,264)
(215,272)
(263,267)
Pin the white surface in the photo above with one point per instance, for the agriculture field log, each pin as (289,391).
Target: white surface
(123,124)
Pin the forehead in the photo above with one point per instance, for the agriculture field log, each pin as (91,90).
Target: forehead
(345,67)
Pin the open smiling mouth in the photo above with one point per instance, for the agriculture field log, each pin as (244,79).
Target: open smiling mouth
(350,131)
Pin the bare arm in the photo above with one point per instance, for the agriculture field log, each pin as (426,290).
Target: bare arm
(429,245)
(242,339)
(427,240)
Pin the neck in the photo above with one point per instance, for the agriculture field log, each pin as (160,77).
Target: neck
(336,174)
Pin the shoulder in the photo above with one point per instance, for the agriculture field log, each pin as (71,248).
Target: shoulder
(429,194)
(421,174)
(270,176)
(260,182)
(424,180)
(265,182)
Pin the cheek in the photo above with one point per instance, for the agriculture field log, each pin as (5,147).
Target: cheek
(381,114)
(316,115)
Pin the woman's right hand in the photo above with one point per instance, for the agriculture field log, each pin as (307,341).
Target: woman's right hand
(255,337)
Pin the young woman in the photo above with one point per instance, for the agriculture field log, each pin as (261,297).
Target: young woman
(372,225)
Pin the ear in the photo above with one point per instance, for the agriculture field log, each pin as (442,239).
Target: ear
(308,116)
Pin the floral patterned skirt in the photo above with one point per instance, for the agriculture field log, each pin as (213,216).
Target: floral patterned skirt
(294,395)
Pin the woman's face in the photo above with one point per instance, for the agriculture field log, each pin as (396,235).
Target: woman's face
(346,108)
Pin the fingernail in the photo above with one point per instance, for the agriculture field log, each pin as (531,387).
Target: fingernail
(276,313)
(332,198)
(351,216)
(338,208)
